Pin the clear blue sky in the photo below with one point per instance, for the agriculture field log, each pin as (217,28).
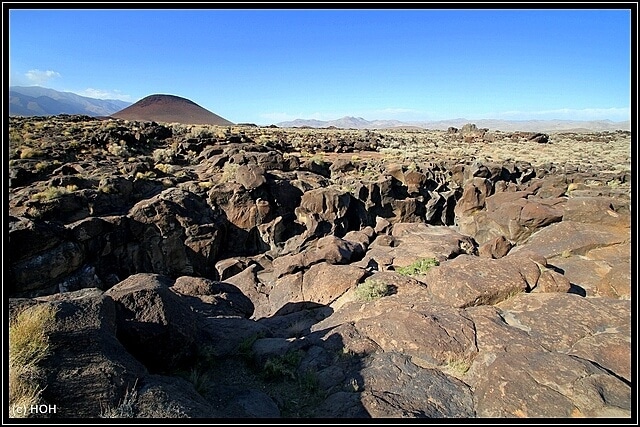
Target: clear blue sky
(267,66)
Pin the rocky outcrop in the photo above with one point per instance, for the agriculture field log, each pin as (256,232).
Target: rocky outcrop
(88,369)
(176,233)
(233,273)
(154,324)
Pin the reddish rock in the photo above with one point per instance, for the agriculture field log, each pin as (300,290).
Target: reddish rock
(599,210)
(324,283)
(552,281)
(496,248)
(473,197)
(570,237)
(470,281)
(521,385)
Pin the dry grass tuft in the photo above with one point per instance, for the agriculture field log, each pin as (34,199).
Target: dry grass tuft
(51,193)
(126,408)
(28,346)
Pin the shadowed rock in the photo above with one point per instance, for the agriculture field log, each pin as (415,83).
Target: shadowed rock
(177,234)
(170,397)
(248,284)
(88,369)
(154,323)
(213,298)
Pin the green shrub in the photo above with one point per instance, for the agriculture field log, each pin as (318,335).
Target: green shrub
(163,155)
(245,349)
(42,166)
(165,168)
(419,267)
(229,172)
(200,377)
(285,366)
(372,289)
(309,381)
(146,175)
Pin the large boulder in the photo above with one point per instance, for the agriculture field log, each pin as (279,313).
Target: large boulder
(473,197)
(522,385)
(598,210)
(211,298)
(176,234)
(324,283)
(164,397)
(573,238)
(432,334)
(154,323)
(328,205)
(470,281)
(250,177)
(88,368)
(411,242)
(395,387)
(330,249)
(41,273)
(515,215)
(597,321)
(247,282)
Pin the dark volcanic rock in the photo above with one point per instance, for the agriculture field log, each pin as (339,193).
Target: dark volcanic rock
(324,283)
(212,298)
(154,324)
(496,248)
(176,234)
(244,258)
(170,397)
(397,388)
(88,370)
(522,385)
(468,281)
(47,268)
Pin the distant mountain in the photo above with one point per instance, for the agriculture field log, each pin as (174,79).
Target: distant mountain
(170,109)
(503,125)
(41,101)
(343,123)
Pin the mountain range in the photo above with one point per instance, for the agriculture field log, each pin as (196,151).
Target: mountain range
(503,125)
(41,101)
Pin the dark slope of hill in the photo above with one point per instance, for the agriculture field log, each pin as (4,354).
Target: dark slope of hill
(170,109)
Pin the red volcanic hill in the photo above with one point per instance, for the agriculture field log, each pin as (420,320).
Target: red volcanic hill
(170,109)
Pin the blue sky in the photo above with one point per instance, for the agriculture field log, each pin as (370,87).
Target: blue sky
(267,66)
